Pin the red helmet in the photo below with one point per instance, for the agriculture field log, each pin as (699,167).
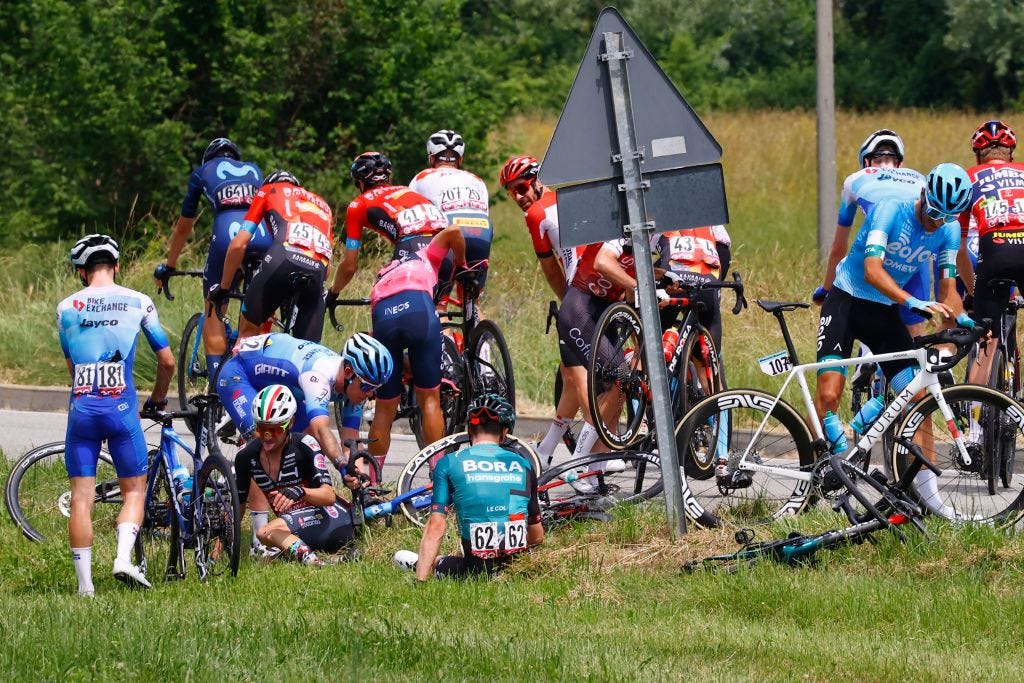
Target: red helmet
(518,167)
(993,134)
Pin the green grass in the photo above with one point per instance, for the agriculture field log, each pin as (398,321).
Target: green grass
(595,602)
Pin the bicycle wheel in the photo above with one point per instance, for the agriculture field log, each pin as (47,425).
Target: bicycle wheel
(491,363)
(990,421)
(594,484)
(38,495)
(616,379)
(216,515)
(696,379)
(193,377)
(417,472)
(454,387)
(158,546)
(741,426)
(979,415)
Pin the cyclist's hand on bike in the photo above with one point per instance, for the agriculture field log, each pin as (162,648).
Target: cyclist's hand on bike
(354,483)
(819,294)
(664,298)
(964,320)
(330,297)
(929,308)
(151,407)
(160,275)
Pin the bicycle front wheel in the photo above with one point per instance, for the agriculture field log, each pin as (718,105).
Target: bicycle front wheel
(158,545)
(217,518)
(979,416)
(698,375)
(193,376)
(586,488)
(616,378)
(491,362)
(38,495)
(762,449)
(416,475)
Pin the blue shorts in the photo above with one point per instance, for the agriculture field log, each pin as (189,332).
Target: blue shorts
(237,391)
(93,420)
(225,227)
(407,320)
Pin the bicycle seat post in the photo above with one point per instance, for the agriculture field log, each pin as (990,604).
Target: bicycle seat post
(786,336)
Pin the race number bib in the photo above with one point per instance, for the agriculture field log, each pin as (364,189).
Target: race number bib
(515,536)
(411,221)
(689,249)
(485,539)
(108,378)
(308,237)
(254,343)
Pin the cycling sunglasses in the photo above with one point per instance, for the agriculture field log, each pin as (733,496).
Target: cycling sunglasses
(519,189)
(936,215)
(364,386)
(265,429)
(882,155)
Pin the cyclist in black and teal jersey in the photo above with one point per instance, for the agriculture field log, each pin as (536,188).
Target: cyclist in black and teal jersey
(492,491)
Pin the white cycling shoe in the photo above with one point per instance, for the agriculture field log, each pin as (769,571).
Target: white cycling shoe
(406,560)
(612,466)
(130,574)
(261,552)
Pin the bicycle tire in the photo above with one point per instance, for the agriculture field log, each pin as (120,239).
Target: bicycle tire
(584,486)
(158,545)
(962,490)
(693,383)
(37,494)
(616,377)
(418,470)
(491,368)
(991,423)
(784,439)
(455,388)
(193,375)
(1008,454)
(216,515)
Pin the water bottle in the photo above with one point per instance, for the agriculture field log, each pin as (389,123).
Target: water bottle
(834,433)
(669,341)
(378,510)
(182,484)
(867,414)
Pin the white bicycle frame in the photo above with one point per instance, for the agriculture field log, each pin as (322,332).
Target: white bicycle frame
(925,378)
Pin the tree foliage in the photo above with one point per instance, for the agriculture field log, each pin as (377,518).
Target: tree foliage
(106,105)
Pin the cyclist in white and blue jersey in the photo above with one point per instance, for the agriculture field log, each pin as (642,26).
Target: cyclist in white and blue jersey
(98,327)
(881,176)
(897,240)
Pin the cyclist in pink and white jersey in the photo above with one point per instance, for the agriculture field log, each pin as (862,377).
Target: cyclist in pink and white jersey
(404,318)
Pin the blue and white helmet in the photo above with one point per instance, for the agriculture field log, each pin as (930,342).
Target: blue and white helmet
(877,138)
(948,189)
(94,249)
(369,358)
(221,147)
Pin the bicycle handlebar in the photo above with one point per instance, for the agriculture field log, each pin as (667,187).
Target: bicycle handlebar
(165,281)
(962,337)
(736,285)
(331,307)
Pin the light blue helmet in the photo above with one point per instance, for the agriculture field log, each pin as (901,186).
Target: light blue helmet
(948,189)
(368,357)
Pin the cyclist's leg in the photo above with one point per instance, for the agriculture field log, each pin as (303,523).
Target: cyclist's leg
(265,293)
(577,318)
(565,411)
(215,342)
(236,394)
(309,321)
(835,340)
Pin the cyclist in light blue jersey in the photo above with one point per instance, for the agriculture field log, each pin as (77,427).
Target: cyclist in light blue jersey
(98,328)
(881,176)
(897,240)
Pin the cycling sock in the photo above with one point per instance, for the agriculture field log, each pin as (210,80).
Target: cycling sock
(213,361)
(259,520)
(554,436)
(82,559)
(126,535)
(300,551)
(928,488)
(585,443)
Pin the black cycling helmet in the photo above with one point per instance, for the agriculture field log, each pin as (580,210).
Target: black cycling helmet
(371,168)
(221,147)
(492,408)
(94,249)
(281,177)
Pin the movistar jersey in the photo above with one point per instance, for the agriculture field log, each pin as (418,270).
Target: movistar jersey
(98,328)
(229,186)
(868,186)
(891,232)
(494,492)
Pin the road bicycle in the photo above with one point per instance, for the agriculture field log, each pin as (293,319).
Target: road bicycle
(616,375)
(204,519)
(894,509)
(768,463)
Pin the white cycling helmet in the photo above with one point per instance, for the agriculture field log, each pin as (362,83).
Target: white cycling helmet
(444,140)
(94,249)
(875,139)
(274,405)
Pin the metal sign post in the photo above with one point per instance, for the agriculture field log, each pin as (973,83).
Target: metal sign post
(640,231)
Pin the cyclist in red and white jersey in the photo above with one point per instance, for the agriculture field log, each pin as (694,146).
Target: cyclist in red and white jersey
(519,178)
(460,195)
(698,255)
(997,209)
(406,219)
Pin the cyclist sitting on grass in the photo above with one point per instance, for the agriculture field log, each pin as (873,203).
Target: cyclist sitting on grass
(98,327)
(492,491)
(404,319)
(292,473)
(302,227)
(896,240)
(315,373)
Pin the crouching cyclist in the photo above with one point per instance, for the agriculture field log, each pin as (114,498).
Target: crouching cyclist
(291,471)
(493,492)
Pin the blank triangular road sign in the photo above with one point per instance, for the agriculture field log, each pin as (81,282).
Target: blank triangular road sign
(584,140)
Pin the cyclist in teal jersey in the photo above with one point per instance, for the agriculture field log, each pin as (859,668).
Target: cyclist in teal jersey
(492,491)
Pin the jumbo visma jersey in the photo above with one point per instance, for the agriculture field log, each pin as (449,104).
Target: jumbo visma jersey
(891,231)
(491,489)
(98,329)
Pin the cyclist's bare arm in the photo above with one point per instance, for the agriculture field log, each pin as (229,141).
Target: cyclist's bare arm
(876,276)
(608,265)
(346,270)
(164,373)
(840,245)
(964,267)
(233,259)
(552,269)
(182,229)
(430,544)
(451,238)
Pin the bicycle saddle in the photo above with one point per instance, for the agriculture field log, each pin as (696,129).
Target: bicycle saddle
(772,306)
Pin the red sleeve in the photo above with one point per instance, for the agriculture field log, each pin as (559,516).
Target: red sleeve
(541,244)
(355,219)
(258,206)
